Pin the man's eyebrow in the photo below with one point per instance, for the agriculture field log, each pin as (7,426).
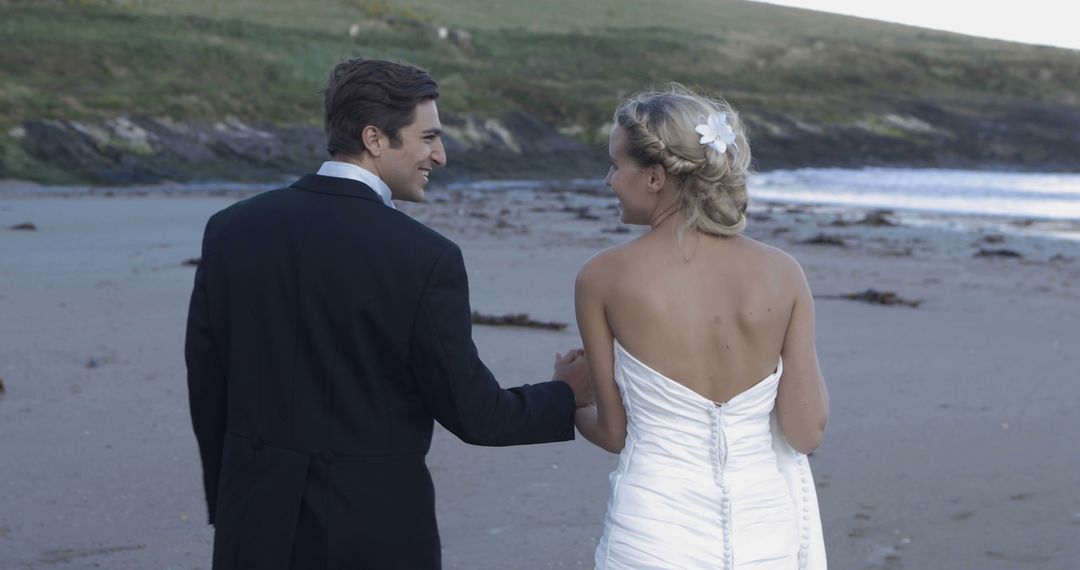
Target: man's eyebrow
(433,131)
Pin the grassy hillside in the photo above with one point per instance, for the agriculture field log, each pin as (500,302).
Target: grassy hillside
(565,62)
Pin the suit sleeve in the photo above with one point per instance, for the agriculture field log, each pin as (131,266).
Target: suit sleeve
(206,378)
(458,388)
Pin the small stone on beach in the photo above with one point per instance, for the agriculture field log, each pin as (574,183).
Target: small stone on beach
(26,227)
(194,261)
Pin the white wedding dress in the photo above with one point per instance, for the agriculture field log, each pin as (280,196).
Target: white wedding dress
(706,485)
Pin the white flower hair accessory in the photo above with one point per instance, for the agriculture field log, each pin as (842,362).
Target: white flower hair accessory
(717,133)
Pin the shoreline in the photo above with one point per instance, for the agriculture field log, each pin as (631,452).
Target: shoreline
(1020,226)
(764,189)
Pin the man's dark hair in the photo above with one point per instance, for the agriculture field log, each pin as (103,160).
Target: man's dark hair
(364,92)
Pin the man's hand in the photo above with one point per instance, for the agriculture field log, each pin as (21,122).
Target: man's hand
(573,369)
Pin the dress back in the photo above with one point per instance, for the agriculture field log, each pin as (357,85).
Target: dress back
(703,484)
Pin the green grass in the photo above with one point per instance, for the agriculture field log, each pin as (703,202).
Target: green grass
(566,62)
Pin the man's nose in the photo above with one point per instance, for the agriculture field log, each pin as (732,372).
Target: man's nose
(438,153)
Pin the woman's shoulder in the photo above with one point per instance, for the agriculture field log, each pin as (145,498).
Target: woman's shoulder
(606,264)
(773,259)
(768,253)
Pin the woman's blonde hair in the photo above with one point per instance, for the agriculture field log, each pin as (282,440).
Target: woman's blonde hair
(660,129)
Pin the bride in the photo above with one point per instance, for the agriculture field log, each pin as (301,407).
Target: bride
(700,342)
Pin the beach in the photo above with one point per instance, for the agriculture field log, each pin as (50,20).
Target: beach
(950,442)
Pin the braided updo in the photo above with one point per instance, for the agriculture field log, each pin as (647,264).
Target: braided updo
(711,185)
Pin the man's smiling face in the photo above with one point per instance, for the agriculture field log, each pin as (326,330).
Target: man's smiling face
(406,167)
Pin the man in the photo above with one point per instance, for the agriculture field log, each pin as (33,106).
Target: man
(327,330)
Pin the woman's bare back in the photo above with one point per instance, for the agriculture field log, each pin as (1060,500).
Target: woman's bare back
(710,313)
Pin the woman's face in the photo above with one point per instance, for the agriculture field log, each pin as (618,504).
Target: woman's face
(628,181)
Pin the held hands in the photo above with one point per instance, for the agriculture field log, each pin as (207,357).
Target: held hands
(573,369)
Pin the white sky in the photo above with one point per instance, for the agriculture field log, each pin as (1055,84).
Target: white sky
(1044,22)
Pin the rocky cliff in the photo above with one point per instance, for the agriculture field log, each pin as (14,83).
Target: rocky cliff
(134,149)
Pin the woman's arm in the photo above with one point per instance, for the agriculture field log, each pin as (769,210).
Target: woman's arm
(802,403)
(603,422)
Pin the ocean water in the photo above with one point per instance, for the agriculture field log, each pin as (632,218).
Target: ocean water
(1012,194)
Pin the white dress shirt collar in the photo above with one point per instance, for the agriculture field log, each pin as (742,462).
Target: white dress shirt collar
(351,171)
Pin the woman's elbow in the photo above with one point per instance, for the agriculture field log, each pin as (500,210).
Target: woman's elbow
(615,442)
(615,447)
(806,441)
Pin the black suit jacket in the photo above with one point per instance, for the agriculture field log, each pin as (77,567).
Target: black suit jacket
(326,332)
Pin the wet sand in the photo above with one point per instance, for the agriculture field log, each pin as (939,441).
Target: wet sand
(950,443)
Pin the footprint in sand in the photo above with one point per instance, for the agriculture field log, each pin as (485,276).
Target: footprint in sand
(1020,497)
(962,516)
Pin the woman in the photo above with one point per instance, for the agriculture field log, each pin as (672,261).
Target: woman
(700,342)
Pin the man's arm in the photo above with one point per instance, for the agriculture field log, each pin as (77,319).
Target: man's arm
(206,379)
(459,389)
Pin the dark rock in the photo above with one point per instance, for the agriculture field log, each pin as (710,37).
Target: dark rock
(26,227)
(824,239)
(581,212)
(876,218)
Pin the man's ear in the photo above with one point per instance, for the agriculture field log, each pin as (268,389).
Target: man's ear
(657,177)
(374,140)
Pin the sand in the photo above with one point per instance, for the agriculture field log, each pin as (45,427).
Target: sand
(951,442)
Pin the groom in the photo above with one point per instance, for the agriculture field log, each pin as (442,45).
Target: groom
(327,331)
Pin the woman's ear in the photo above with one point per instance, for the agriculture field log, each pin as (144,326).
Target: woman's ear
(657,177)
(373,139)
